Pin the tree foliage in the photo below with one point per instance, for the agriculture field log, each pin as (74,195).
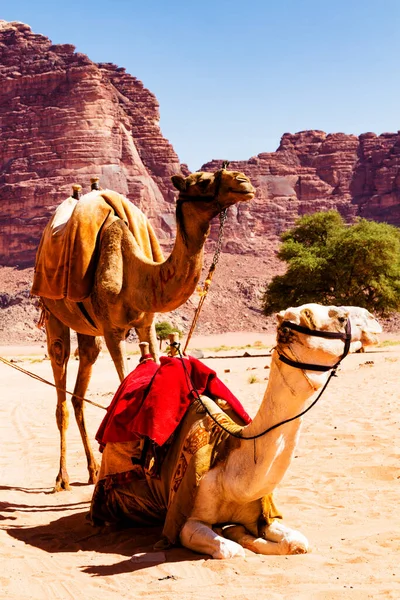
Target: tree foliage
(333,263)
(163,330)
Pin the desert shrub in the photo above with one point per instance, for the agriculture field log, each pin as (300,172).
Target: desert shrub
(331,262)
(163,330)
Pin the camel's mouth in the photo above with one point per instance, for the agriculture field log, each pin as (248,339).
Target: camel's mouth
(246,191)
(245,195)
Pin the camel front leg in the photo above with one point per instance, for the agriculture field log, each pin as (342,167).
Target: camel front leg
(240,535)
(200,537)
(89,348)
(290,541)
(58,345)
(147,333)
(115,341)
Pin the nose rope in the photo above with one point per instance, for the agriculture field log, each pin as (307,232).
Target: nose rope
(206,286)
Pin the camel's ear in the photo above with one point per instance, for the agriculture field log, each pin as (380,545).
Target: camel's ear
(335,312)
(307,316)
(179,182)
(280,317)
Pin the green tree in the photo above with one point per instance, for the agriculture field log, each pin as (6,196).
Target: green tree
(334,263)
(163,330)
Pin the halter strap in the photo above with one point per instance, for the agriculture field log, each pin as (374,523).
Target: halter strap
(304,366)
(345,337)
(333,335)
(218,180)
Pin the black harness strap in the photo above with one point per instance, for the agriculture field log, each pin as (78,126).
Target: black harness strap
(301,365)
(331,335)
(346,337)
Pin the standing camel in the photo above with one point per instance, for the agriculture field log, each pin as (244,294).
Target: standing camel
(129,289)
(235,488)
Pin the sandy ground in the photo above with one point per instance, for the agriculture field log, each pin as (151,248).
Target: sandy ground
(341,491)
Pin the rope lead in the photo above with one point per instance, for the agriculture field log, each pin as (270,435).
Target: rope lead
(38,378)
(207,283)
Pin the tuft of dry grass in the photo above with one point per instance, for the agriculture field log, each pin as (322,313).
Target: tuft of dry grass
(387,343)
(258,344)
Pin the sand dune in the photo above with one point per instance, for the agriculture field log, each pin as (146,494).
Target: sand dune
(342,492)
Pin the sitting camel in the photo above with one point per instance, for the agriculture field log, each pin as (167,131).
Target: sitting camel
(226,503)
(129,287)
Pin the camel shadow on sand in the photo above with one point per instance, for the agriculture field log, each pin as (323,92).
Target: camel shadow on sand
(74,533)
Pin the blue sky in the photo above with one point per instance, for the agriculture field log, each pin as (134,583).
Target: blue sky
(232,77)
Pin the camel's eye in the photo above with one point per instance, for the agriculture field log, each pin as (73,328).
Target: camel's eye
(203,184)
(241,178)
(342,319)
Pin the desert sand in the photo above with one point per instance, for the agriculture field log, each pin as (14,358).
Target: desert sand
(341,491)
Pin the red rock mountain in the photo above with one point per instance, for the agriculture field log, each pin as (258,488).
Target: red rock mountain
(311,171)
(64,118)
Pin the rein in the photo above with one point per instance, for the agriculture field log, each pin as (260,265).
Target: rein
(42,380)
(223,214)
(345,337)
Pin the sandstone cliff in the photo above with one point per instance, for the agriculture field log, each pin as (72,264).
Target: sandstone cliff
(311,171)
(63,119)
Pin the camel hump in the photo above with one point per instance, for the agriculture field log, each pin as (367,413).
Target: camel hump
(109,272)
(137,222)
(66,260)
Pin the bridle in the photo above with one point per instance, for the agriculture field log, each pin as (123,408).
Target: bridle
(288,325)
(331,335)
(223,212)
(182,198)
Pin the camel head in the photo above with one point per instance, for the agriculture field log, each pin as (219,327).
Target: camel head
(213,192)
(368,324)
(306,348)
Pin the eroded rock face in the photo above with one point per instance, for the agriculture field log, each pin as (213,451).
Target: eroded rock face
(311,171)
(64,119)
(375,186)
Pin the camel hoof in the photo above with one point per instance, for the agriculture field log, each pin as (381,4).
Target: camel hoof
(93,475)
(228,549)
(300,551)
(62,482)
(297,545)
(61,486)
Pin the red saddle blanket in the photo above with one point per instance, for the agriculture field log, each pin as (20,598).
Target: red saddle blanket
(152,400)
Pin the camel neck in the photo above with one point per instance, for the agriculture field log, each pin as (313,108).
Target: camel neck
(266,459)
(287,391)
(173,281)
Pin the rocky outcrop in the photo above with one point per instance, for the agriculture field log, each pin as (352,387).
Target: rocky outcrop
(311,171)
(64,119)
(375,186)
